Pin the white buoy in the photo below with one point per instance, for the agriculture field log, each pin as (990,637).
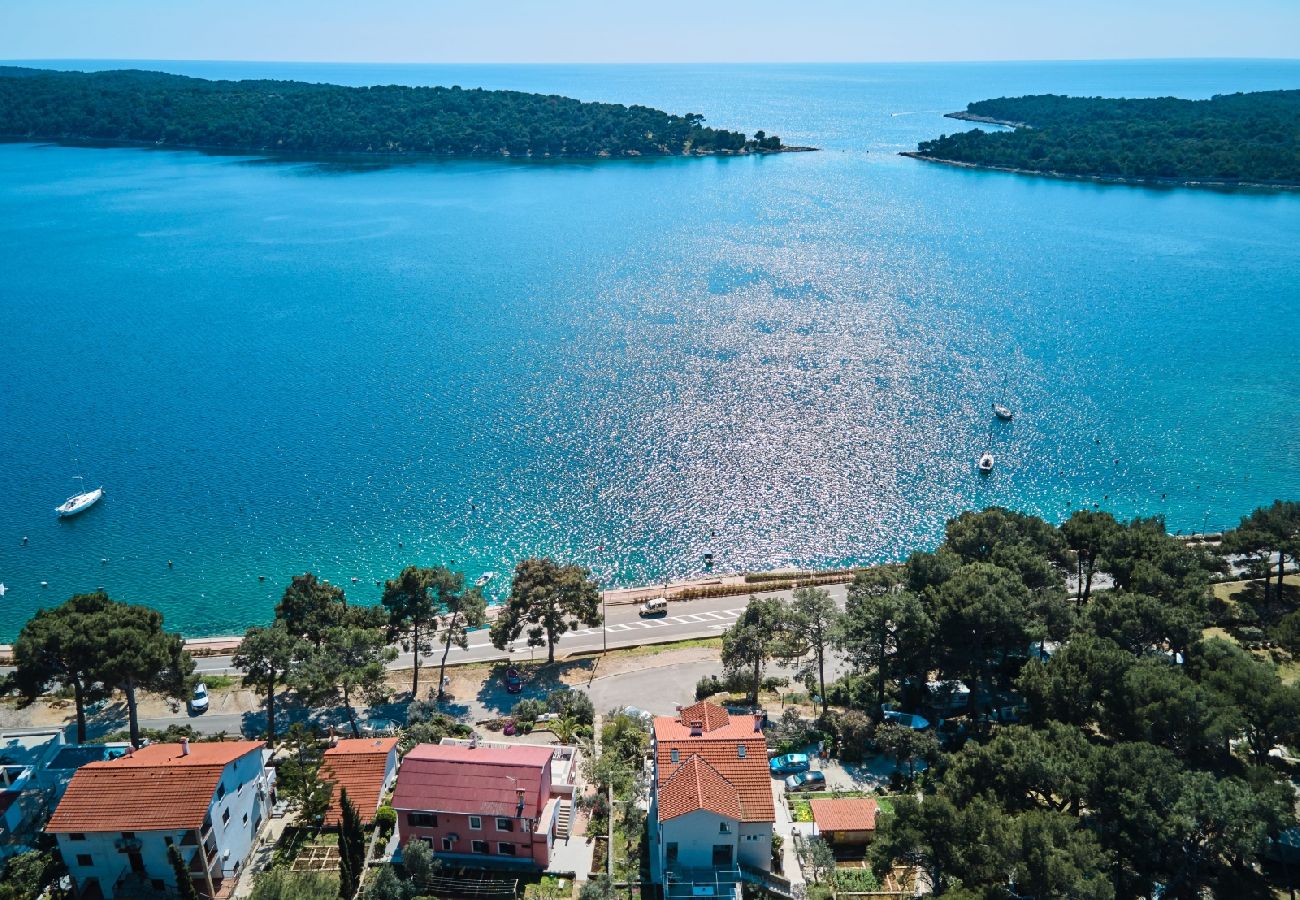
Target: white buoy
(45,584)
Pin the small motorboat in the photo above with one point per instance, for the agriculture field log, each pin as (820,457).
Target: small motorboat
(79,503)
(484,579)
(986,462)
(1003,413)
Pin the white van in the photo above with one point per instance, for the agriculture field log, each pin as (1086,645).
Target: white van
(656,607)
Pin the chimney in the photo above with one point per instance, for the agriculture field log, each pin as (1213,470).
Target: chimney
(185,746)
(697,728)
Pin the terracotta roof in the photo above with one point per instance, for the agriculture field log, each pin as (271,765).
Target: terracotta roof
(357,766)
(711,715)
(720,748)
(482,780)
(697,785)
(154,789)
(844,814)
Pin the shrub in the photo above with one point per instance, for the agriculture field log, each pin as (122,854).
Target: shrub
(385,819)
(856,880)
(525,713)
(571,704)
(708,686)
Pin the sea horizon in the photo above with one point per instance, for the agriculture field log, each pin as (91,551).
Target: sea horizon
(287,365)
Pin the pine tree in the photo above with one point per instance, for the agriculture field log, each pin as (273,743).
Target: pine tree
(184,883)
(352,847)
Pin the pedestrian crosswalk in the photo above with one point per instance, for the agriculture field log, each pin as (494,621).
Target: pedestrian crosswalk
(709,619)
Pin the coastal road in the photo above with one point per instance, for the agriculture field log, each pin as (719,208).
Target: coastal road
(623,628)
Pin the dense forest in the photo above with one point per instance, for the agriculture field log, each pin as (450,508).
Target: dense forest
(1252,138)
(153,108)
(1124,732)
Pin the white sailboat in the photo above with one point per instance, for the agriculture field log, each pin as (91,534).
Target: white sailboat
(484,579)
(986,463)
(79,503)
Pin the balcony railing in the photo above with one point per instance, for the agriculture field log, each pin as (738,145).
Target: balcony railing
(684,881)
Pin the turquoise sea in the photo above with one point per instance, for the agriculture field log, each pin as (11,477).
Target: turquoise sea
(275,366)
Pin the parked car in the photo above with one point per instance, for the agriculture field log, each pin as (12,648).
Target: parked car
(199,699)
(514,683)
(656,607)
(789,764)
(805,781)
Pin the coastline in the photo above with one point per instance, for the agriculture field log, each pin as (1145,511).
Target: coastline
(1220,184)
(380,155)
(985,120)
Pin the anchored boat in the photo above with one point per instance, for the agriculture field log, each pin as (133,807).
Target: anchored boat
(1003,413)
(79,503)
(484,579)
(986,463)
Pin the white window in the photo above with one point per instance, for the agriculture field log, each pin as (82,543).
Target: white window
(740,750)
(504,824)
(506,849)
(476,823)
(674,756)
(448,845)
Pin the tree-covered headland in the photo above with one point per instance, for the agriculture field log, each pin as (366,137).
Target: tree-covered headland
(157,109)
(1230,138)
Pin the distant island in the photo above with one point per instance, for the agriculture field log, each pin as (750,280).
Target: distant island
(156,109)
(1231,139)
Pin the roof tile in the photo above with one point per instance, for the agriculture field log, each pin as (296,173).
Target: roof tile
(844,813)
(359,767)
(156,788)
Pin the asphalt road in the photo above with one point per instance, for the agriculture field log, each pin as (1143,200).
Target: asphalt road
(624,628)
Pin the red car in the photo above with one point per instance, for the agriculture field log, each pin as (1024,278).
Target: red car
(514,684)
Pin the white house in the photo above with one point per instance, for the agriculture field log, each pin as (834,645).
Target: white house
(118,817)
(711,807)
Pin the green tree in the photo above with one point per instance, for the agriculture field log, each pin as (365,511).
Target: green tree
(572,704)
(548,599)
(62,645)
(419,601)
(1086,533)
(981,614)
(299,775)
(1055,856)
(907,746)
(1269,711)
(311,607)
(599,888)
(819,858)
(137,654)
(462,611)
(267,657)
(758,635)
(1079,685)
(420,864)
(184,882)
(29,873)
(886,631)
(815,619)
(384,885)
(352,847)
(1266,532)
(349,665)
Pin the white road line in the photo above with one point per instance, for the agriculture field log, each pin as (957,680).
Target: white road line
(713,615)
(693,619)
(619,627)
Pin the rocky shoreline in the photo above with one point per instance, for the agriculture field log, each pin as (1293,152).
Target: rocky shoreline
(986,120)
(1209,183)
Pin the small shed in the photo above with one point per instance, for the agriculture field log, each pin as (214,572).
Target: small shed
(845,820)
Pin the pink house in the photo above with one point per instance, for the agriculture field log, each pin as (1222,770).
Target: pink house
(479,805)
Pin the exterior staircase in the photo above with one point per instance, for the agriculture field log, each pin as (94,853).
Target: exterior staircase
(564,819)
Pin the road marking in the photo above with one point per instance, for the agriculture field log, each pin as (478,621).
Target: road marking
(717,627)
(713,615)
(619,627)
(734,612)
(691,619)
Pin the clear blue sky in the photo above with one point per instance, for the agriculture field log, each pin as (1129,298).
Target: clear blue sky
(660,31)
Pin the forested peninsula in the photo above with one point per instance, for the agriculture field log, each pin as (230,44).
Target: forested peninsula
(157,109)
(1230,139)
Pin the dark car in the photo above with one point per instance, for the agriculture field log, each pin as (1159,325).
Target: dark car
(805,781)
(514,683)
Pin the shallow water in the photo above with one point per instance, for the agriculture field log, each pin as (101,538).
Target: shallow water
(281,366)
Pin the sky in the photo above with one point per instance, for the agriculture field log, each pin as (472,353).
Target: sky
(575,31)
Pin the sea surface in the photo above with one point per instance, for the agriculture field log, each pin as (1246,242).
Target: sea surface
(280,366)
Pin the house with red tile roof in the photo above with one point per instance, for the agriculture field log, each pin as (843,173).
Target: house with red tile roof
(845,820)
(711,807)
(365,768)
(118,817)
(479,805)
